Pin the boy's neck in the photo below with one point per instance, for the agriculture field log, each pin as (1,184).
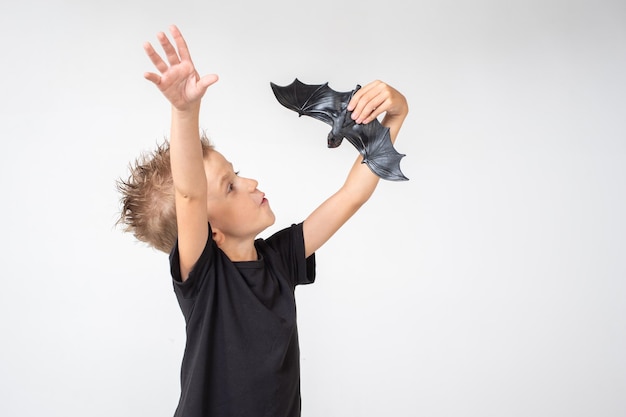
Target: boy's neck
(240,251)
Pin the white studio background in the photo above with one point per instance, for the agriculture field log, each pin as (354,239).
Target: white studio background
(491,284)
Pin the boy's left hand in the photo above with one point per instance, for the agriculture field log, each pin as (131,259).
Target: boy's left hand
(376,98)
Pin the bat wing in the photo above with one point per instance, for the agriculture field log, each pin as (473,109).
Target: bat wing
(318,101)
(373,141)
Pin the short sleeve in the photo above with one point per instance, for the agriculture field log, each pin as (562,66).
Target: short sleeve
(289,244)
(189,288)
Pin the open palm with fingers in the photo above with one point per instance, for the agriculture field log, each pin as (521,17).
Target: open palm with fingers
(177,79)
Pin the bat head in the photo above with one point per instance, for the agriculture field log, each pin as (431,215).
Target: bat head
(334,140)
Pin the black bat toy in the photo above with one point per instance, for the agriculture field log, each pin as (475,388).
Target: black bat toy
(323,103)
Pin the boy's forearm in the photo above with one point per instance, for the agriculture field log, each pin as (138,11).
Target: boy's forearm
(394,123)
(186,153)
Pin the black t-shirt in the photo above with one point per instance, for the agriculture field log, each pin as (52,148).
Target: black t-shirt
(242,357)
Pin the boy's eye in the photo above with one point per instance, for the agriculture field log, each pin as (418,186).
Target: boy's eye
(231,185)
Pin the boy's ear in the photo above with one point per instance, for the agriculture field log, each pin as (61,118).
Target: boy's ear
(218,236)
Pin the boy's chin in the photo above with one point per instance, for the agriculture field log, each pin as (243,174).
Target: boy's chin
(272,217)
(270,222)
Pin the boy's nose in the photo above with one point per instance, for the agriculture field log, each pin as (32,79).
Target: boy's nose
(253,184)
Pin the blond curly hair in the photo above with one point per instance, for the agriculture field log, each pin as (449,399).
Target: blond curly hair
(147,203)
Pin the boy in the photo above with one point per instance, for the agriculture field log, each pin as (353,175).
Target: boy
(236,292)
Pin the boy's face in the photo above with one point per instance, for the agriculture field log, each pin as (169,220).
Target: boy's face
(235,206)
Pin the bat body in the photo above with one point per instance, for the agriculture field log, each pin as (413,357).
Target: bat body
(321,102)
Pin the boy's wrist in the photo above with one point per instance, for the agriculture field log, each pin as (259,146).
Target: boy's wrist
(187,113)
(395,118)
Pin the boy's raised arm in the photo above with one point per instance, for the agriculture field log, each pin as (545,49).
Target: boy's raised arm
(180,83)
(367,103)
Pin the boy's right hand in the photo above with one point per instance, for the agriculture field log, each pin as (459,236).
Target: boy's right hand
(179,81)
